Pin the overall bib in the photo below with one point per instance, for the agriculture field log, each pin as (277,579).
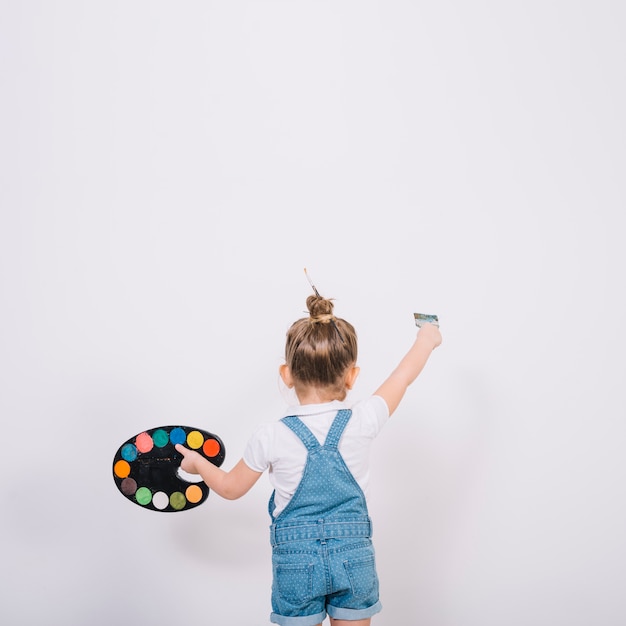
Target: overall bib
(322,553)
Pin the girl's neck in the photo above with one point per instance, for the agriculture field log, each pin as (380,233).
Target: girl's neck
(316,395)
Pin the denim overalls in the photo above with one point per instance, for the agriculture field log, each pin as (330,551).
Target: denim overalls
(322,553)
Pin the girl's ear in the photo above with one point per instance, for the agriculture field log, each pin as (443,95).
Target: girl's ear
(351,375)
(285,374)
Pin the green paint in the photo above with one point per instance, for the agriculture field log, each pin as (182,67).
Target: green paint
(160,438)
(143,495)
(177,501)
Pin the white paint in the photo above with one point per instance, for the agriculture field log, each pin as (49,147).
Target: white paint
(160,500)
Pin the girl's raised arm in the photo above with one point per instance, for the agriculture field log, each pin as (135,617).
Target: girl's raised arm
(393,389)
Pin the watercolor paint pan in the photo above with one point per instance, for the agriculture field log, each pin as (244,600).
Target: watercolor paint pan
(146,467)
(424,318)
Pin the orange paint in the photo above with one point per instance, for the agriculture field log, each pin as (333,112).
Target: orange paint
(193,494)
(121,468)
(211,447)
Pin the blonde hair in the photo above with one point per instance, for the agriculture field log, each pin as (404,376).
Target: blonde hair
(320,348)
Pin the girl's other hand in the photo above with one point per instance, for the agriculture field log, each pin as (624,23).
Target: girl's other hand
(431,333)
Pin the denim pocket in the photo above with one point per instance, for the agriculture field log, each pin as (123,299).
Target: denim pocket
(362,575)
(294,582)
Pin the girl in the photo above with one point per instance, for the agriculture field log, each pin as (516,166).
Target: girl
(317,457)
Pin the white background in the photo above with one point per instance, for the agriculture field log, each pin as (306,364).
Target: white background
(167,171)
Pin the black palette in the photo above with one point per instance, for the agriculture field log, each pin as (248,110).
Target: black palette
(146,467)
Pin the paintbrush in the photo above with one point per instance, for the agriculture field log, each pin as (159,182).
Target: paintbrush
(424,318)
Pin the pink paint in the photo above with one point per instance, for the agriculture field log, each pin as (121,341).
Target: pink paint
(144,442)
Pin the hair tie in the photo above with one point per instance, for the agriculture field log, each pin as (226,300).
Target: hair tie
(324,318)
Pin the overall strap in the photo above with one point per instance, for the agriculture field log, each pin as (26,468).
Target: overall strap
(302,432)
(336,430)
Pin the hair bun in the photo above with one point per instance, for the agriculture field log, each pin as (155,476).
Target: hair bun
(320,309)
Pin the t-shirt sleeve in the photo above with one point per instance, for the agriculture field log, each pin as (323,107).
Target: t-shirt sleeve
(381,410)
(374,414)
(257,452)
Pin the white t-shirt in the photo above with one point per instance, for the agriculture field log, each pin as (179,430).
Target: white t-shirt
(276,447)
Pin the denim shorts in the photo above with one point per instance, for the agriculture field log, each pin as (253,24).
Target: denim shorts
(313,578)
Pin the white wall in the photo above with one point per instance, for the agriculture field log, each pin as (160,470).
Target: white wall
(169,168)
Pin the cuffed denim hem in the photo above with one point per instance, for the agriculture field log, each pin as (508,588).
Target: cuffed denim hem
(353,614)
(299,620)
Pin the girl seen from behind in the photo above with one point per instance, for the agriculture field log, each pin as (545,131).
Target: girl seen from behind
(317,457)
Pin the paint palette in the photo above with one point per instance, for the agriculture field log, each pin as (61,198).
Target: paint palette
(146,468)
(425,318)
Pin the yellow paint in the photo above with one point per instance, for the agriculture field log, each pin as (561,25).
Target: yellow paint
(195,439)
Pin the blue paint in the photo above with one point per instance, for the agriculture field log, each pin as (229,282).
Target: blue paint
(178,435)
(129,452)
